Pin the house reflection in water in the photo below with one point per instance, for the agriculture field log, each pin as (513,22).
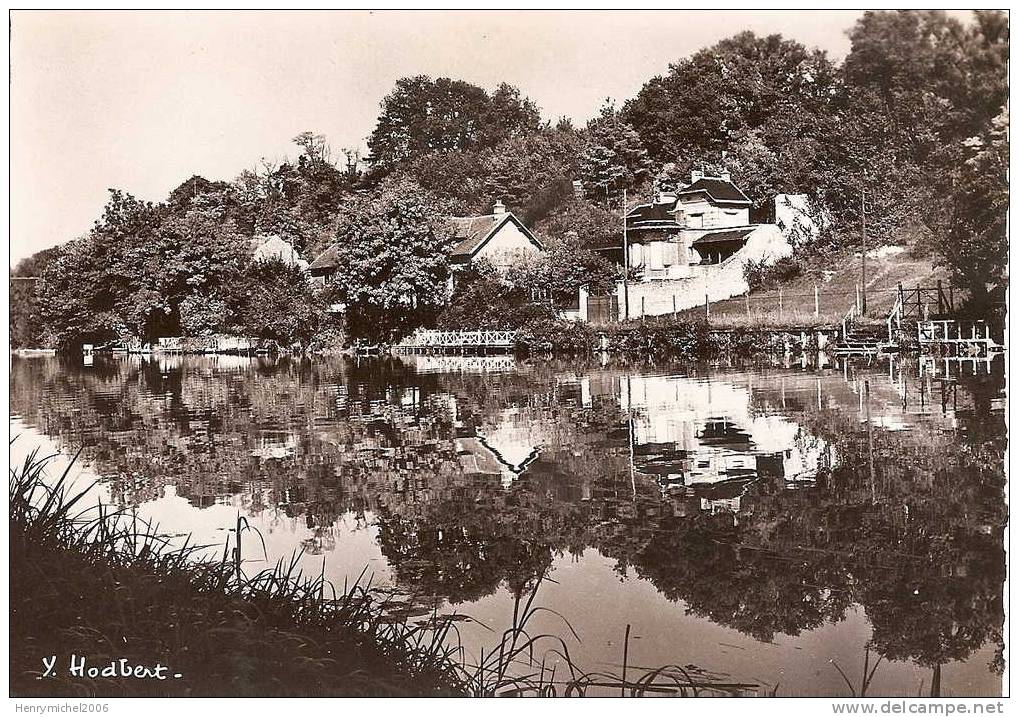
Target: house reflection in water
(275,444)
(505,446)
(705,436)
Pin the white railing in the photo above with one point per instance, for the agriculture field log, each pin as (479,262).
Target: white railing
(432,338)
(847,320)
(941,331)
(895,315)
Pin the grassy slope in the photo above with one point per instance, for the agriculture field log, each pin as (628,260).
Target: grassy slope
(837,292)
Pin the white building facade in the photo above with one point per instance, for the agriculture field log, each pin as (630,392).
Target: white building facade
(691,246)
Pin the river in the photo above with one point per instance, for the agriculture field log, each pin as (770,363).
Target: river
(772,525)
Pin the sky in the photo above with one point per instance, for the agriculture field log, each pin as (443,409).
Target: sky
(141,101)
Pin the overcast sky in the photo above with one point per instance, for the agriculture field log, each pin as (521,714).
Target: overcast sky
(143,100)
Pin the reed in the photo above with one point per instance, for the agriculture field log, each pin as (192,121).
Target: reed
(93,581)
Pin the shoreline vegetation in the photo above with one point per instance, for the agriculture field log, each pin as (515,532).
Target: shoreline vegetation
(99,584)
(107,607)
(662,336)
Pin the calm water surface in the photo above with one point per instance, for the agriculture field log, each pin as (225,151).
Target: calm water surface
(764,524)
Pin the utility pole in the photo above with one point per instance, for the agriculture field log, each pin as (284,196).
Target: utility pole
(863,265)
(626,264)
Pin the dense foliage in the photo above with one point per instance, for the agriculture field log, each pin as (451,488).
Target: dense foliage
(393,268)
(913,126)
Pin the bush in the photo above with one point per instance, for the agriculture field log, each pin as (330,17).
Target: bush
(574,338)
(764,275)
(484,300)
(664,337)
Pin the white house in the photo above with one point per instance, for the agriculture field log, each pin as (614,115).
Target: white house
(691,245)
(499,237)
(274,248)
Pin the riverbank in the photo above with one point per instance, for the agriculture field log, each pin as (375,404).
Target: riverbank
(155,622)
(670,337)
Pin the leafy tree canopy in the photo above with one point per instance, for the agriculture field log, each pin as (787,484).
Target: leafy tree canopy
(421,116)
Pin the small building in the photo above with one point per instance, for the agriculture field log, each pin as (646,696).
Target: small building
(499,237)
(323,269)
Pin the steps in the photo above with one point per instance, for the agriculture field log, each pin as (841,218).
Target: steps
(862,340)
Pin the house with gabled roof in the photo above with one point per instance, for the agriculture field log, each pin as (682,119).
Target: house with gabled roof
(500,238)
(691,244)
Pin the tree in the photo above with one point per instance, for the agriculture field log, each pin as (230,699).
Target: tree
(98,288)
(423,116)
(613,157)
(527,173)
(26,324)
(197,258)
(299,200)
(740,84)
(593,226)
(974,241)
(280,305)
(130,276)
(393,266)
(510,116)
(918,84)
(482,299)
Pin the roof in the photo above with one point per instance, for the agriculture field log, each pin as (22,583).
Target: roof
(653,216)
(326,260)
(273,247)
(472,233)
(729,235)
(719,190)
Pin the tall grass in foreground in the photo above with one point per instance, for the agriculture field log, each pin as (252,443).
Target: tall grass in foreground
(96,582)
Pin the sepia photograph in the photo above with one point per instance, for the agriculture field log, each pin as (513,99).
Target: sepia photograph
(509,353)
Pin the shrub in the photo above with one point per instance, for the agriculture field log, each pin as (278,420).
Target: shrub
(763,275)
(555,336)
(482,299)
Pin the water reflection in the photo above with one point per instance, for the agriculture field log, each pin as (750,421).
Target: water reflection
(770,501)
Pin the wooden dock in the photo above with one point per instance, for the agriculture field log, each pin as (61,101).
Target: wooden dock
(956,337)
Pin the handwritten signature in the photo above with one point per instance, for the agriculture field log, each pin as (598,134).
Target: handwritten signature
(78,666)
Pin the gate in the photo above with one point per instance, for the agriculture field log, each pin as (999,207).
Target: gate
(602,309)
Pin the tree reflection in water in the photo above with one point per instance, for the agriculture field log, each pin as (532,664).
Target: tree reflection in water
(765,500)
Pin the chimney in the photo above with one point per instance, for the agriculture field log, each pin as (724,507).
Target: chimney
(499,208)
(725,176)
(696,175)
